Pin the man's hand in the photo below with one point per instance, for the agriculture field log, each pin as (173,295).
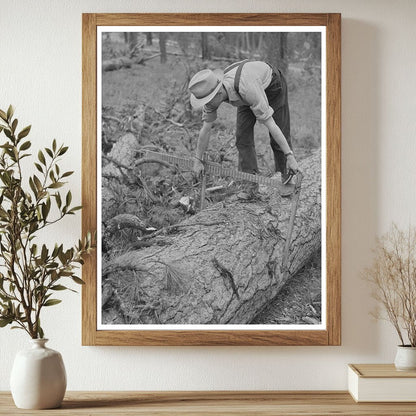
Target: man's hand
(198,167)
(291,164)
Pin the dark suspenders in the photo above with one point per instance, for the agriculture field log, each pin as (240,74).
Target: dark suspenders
(237,74)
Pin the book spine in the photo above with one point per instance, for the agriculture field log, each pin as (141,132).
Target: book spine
(353,381)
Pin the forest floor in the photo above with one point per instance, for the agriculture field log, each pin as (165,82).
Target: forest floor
(172,126)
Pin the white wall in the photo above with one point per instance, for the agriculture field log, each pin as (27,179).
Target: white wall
(40,73)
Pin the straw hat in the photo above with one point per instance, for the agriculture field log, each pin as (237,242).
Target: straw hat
(204,85)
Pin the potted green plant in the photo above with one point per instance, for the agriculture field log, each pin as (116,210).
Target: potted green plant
(393,277)
(32,273)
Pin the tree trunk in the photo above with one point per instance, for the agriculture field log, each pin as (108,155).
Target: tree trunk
(248,43)
(149,39)
(277,50)
(221,266)
(206,53)
(162,47)
(132,40)
(238,46)
(260,42)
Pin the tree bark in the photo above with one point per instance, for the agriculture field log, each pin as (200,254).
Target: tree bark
(205,50)
(277,50)
(132,40)
(149,39)
(162,47)
(221,266)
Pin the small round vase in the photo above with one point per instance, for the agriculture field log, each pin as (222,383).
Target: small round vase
(405,358)
(38,378)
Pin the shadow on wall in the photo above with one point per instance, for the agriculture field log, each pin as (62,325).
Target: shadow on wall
(361,95)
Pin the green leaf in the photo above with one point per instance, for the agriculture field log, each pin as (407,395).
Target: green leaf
(68,199)
(44,253)
(14,125)
(8,133)
(3,115)
(37,183)
(24,132)
(40,332)
(33,187)
(54,145)
(59,287)
(25,155)
(67,174)
(55,251)
(39,167)
(63,150)
(4,298)
(58,199)
(45,211)
(76,279)
(49,152)
(34,249)
(5,321)
(41,157)
(10,112)
(25,145)
(60,249)
(62,257)
(56,185)
(72,210)
(51,302)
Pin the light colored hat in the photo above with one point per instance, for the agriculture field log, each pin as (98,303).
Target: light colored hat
(204,85)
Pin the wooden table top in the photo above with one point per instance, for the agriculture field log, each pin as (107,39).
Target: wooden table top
(318,403)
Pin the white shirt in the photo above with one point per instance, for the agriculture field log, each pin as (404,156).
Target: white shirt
(254,79)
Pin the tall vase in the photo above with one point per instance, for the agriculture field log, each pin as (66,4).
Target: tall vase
(38,378)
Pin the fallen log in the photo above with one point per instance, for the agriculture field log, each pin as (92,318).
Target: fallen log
(117,63)
(221,266)
(125,62)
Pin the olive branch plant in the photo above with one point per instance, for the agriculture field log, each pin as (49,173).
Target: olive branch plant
(393,277)
(30,273)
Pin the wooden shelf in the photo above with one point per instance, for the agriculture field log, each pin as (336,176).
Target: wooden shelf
(318,403)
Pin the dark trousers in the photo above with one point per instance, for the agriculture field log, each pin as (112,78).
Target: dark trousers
(276,93)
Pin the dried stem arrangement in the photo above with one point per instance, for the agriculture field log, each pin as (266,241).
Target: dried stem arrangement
(393,276)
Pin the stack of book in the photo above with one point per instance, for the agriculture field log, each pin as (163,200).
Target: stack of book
(381,383)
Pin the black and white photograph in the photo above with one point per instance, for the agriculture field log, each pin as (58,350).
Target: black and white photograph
(211,204)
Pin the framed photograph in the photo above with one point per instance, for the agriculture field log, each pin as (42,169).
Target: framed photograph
(211,172)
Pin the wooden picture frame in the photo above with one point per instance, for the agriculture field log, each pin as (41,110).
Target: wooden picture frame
(331,334)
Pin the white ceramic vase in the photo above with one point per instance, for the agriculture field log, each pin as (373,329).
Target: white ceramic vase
(405,358)
(38,378)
